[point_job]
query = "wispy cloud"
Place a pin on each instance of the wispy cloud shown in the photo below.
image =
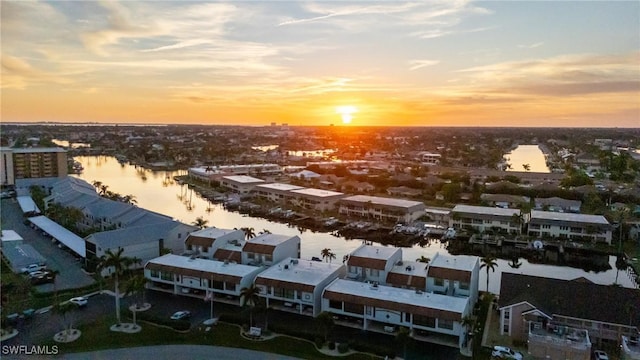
(418, 64)
(531, 46)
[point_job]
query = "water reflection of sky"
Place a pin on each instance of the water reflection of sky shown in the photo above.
(156, 191)
(527, 154)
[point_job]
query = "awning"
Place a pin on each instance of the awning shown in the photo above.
(28, 205)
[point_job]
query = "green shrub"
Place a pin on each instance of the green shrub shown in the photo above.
(332, 345)
(180, 325)
(319, 342)
(343, 348)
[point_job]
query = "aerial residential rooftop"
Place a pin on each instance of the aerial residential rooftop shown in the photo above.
(413, 268)
(398, 295)
(458, 262)
(37, 150)
(384, 201)
(270, 239)
(487, 210)
(307, 272)
(177, 262)
(243, 179)
(317, 192)
(212, 232)
(280, 186)
(375, 252)
(557, 216)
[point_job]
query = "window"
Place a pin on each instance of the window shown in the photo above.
(353, 308)
(166, 276)
(289, 294)
(154, 273)
(464, 285)
(251, 256)
(445, 324)
(335, 304)
(438, 282)
(279, 292)
(507, 314)
(218, 285)
(374, 272)
(268, 258)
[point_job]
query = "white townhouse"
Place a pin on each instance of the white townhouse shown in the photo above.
(206, 242)
(408, 275)
(268, 249)
(296, 285)
(207, 173)
(454, 276)
(429, 158)
(275, 192)
(570, 226)
(382, 308)
(316, 199)
(372, 263)
(241, 184)
(196, 277)
(381, 208)
(484, 218)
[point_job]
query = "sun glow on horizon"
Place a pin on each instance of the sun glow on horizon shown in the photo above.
(346, 113)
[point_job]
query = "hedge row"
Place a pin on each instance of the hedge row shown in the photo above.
(180, 325)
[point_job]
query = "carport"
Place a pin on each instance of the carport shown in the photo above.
(69, 239)
(28, 205)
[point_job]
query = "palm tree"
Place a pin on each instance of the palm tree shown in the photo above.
(489, 263)
(326, 253)
(118, 263)
(423, 259)
(265, 231)
(200, 222)
(103, 189)
(515, 263)
(332, 256)
(621, 264)
(325, 322)
(249, 232)
(526, 167)
(136, 286)
(63, 309)
(402, 337)
(249, 297)
(97, 184)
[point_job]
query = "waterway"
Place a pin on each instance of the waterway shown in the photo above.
(530, 155)
(157, 191)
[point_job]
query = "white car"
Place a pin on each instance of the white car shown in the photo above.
(81, 301)
(31, 268)
(180, 315)
(600, 355)
(503, 352)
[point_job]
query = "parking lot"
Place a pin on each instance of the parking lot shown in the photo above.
(70, 274)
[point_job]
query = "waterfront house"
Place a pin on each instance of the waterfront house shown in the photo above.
(189, 276)
(504, 201)
(296, 285)
(241, 184)
(380, 208)
(557, 204)
(315, 199)
(268, 249)
(454, 276)
(484, 218)
(275, 192)
(570, 226)
(380, 308)
(372, 263)
(606, 312)
(207, 242)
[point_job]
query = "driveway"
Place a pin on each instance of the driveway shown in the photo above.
(69, 266)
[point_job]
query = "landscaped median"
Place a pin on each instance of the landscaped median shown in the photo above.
(97, 336)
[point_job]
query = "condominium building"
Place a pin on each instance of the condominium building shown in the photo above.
(484, 218)
(29, 163)
(381, 208)
(316, 199)
(241, 184)
(275, 192)
(570, 226)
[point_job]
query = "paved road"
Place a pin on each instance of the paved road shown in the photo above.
(69, 266)
(178, 352)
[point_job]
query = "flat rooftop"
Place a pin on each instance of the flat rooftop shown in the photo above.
(399, 295)
(279, 186)
(375, 252)
(38, 150)
(10, 235)
(556, 216)
(205, 265)
(413, 268)
(384, 201)
(270, 239)
(243, 179)
(485, 210)
(306, 272)
(213, 232)
(458, 262)
(317, 192)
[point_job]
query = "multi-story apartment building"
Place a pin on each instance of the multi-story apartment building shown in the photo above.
(275, 192)
(380, 208)
(570, 226)
(484, 218)
(316, 199)
(268, 249)
(241, 184)
(30, 163)
(372, 263)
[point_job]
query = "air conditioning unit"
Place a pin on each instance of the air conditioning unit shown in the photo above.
(294, 261)
(286, 267)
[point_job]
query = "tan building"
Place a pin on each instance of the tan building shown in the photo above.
(30, 163)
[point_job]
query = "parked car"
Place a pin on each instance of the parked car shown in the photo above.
(181, 315)
(32, 267)
(81, 301)
(503, 352)
(600, 355)
(42, 277)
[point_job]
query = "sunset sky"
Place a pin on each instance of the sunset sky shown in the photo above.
(435, 63)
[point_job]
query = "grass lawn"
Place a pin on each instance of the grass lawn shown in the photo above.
(97, 336)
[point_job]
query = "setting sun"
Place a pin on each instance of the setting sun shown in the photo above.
(346, 113)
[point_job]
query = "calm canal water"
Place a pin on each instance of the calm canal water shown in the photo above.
(527, 154)
(156, 191)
